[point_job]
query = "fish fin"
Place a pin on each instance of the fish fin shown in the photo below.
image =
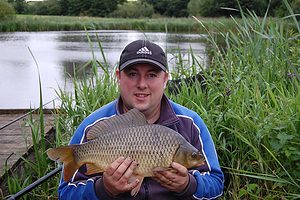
(136, 190)
(131, 118)
(92, 168)
(65, 154)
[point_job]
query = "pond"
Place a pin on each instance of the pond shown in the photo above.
(55, 55)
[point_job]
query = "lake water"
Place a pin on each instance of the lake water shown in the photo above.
(56, 53)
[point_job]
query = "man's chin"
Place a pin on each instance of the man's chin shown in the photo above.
(140, 107)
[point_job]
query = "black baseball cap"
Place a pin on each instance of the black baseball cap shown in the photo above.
(143, 51)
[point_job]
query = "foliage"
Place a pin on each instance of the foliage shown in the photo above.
(7, 12)
(170, 8)
(61, 23)
(89, 7)
(73, 7)
(49, 7)
(135, 9)
(89, 93)
(251, 106)
(215, 8)
(19, 5)
(194, 7)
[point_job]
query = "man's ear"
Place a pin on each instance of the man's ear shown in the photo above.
(166, 80)
(118, 74)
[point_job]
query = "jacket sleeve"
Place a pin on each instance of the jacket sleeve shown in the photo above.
(80, 186)
(210, 182)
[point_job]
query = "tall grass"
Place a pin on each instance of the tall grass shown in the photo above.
(66, 23)
(252, 108)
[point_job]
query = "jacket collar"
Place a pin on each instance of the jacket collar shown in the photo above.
(167, 114)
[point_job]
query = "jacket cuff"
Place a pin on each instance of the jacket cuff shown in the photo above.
(101, 191)
(190, 188)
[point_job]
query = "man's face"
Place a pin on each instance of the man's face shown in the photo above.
(142, 87)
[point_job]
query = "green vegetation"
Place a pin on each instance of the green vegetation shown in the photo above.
(251, 106)
(133, 10)
(167, 8)
(7, 12)
(59, 23)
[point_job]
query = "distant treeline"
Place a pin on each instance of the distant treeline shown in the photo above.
(153, 8)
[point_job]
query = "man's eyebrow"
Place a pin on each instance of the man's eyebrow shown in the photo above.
(130, 69)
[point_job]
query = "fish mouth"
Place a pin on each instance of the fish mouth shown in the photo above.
(201, 163)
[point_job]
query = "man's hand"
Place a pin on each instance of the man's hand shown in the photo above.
(116, 177)
(175, 180)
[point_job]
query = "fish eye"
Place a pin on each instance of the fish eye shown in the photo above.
(194, 155)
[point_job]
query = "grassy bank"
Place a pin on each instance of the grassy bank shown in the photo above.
(65, 23)
(251, 106)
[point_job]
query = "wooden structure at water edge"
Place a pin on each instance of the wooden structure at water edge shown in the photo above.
(16, 138)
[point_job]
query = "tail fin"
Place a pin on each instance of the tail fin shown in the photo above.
(65, 155)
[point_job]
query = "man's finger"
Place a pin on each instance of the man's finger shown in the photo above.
(130, 170)
(114, 166)
(181, 170)
(122, 169)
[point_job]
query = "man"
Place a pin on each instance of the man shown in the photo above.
(142, 77)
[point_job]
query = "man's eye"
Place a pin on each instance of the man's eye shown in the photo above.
(132, 74)
(152, 75)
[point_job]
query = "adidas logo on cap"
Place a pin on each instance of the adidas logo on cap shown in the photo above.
(144, 50)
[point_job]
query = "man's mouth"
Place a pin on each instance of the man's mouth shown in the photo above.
(141, 95)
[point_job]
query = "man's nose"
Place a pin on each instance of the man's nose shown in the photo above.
(142, 82)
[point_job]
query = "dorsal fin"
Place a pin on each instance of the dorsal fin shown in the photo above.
(132, 118)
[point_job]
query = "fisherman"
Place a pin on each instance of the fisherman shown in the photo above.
(142, 77)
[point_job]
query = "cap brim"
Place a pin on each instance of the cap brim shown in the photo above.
(141, 60)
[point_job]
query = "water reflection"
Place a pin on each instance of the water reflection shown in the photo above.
(80, 69)
(59, 54)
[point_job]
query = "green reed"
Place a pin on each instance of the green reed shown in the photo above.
(252, 108)
(65, 23)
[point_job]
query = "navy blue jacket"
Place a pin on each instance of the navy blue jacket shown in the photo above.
(206, 182)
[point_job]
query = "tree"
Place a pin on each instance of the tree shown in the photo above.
(19, 5)
(133, 9)
(102, 8)
(216, 8)
(194, 7)
(171, 8)
(64, 7)
(7, 11)
(202, 7)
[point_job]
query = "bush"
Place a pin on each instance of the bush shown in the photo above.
(49, 7)
(7, 12)
(194, 7)
(202, 8)
(135, 9)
